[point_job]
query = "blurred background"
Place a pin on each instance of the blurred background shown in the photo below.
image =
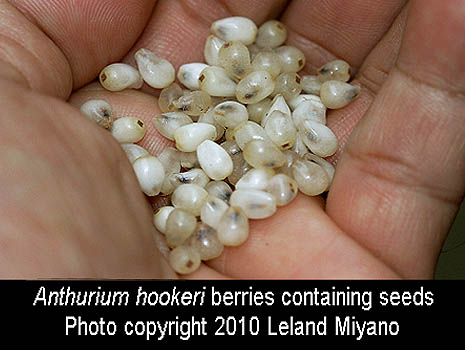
(451, 264)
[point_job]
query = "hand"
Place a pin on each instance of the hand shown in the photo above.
(70, 204)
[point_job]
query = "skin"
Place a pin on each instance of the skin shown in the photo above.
(70, 205)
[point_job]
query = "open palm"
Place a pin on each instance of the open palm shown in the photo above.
(70, 205)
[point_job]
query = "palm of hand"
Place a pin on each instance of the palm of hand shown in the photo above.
(71, 205)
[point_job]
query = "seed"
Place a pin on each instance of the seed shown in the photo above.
(194, 176)
(337, 94)
(240, 166)
(318, 138)
(99, 111)
(255, 179)
(189, 197)
(214, 160)
(190, 136)
(170, 158)
(288, 85)
(120, 76)
(248, 131)
(263, 154)
(156, 71)
(229, 114)
(271, 34)
(161, 217)
(215, 81)
(255, 204)
(128, 129)
(208, 118)
(167, 123)
(277, 104)
(327, 166)
(193, 103)
(205, 241)
(150, 174)
(309, 110)
(300, 148)
(287, 166)
(235, 59)
(255, 87)
(311, 84)
(271, 148)
(188, 74)
(253, 50)
(219, 189)
(296, 101)
(292, 59)
(211, 50)
(134, 152)
(283, 188)
(232, 148)
(334, 70)
(281, 130)
(216, 100)
(180, 225)
(267, 61)
(212, 211)
(311, 179)
(184, 259)
(235, 29)
(233, 229)
(229, 134)
(167, 96)
(189, 160)
(167, 187)
(257, 110)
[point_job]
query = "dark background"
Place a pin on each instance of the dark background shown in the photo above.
(451, 264)
(22, 322)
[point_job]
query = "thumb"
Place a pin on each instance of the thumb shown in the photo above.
(401, 179)
(55, 46)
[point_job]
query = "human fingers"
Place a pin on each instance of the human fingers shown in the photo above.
(401, 178)
(57, 46)
(67, 201)
(299, 241)
(370, 77)
(349, 30)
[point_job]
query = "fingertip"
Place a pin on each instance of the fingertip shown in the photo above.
(90, 33)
